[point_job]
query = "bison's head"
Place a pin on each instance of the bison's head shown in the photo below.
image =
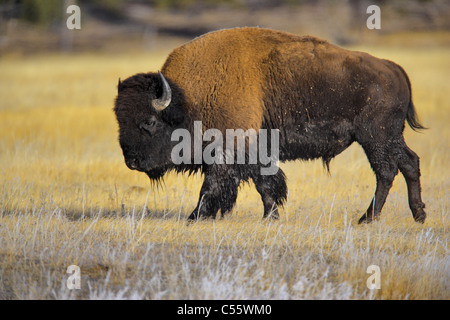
(148, 109)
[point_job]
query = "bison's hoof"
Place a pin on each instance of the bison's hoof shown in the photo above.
(366, 218)
(420, 216)
(195, 216)
(272, 215)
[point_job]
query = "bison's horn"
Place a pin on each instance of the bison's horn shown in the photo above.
(162, 103)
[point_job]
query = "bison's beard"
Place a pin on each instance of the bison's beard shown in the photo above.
(156, 174)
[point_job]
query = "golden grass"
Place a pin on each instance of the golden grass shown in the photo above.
(67, 198)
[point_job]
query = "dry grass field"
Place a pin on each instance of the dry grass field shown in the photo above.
(67, 198)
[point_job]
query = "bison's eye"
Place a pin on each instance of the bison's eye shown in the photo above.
(148, 125)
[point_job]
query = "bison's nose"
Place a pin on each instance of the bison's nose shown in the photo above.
(132, 163)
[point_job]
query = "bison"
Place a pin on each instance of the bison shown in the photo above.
(321, 98)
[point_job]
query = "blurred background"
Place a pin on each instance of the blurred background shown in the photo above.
(30, 26)
(60, 161)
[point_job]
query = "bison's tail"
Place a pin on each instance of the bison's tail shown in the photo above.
(411, 115)
(411, 118)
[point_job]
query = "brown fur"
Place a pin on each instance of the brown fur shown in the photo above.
(223, 83)
(321, 98)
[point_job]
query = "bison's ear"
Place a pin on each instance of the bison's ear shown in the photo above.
(119, 86)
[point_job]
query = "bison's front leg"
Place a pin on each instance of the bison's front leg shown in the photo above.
(219, 191)
(273, 191)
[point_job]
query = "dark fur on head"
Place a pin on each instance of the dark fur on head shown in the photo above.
(144, 133)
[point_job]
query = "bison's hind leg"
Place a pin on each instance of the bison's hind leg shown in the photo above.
(382, 157)
(386, 158)
(273, 191)
(409, 166)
